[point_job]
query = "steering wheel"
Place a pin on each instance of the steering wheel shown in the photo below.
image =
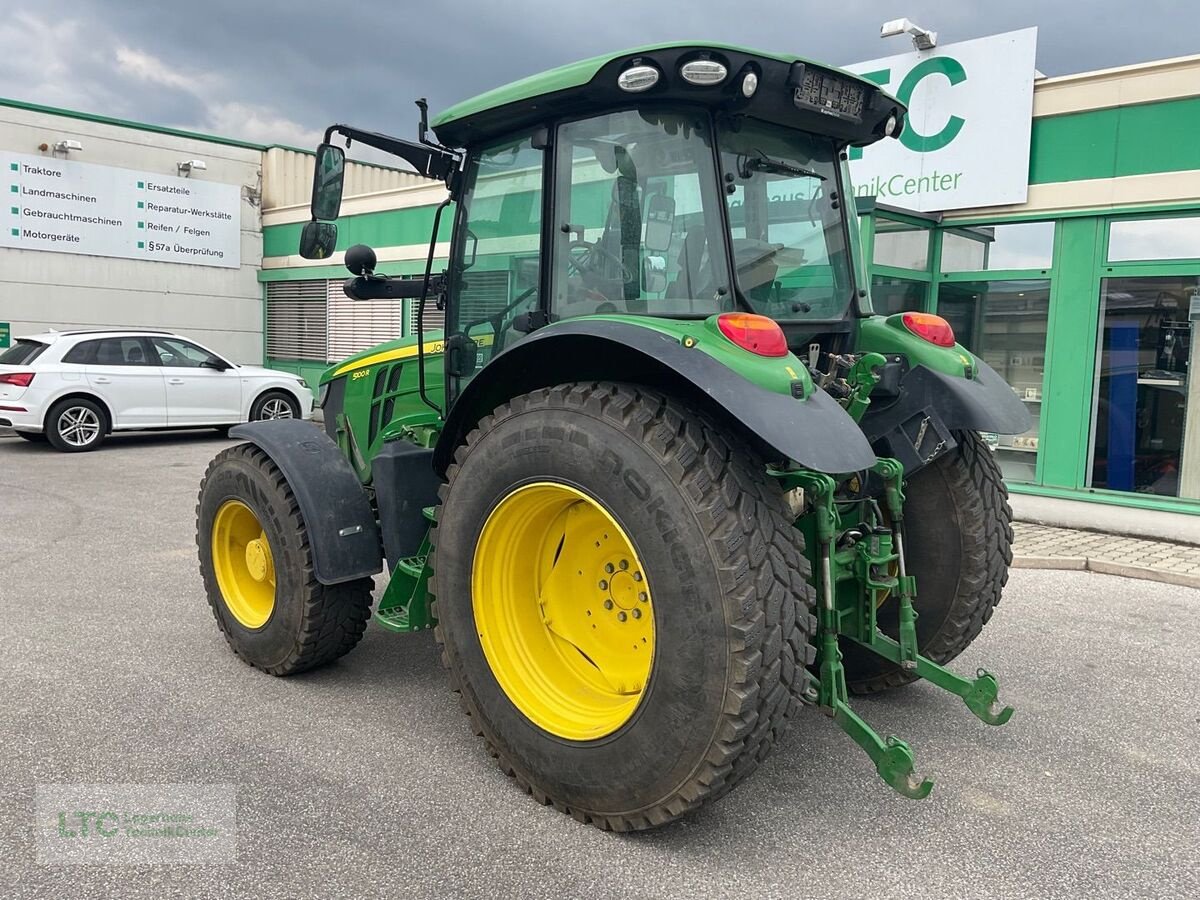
(581, 257)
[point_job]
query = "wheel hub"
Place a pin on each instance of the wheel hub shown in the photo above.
(256, 560)
(563, 610)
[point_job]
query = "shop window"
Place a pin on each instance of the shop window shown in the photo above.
(1131, 240)
(1004, 324)
(1142, 387)
(1025, 245)
(894, 295)
(900, 245)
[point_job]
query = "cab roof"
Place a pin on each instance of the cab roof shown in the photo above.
(590, 85)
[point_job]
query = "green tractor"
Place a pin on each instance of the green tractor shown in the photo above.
(664, 479)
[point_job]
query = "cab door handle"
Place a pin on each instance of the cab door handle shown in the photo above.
(103, 379)
(174, 381)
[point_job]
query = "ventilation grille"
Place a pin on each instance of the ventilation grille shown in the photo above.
(355, 325)
(297, 325)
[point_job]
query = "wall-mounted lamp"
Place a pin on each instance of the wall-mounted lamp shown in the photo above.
(922, 38)
(188, 166)
(61, 146)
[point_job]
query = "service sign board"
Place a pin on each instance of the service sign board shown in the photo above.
(966, 142)
(75, 207)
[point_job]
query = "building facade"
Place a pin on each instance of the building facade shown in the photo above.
(1084, 297)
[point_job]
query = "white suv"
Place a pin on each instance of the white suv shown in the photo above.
(74, 387)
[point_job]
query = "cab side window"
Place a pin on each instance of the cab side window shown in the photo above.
(498, 261)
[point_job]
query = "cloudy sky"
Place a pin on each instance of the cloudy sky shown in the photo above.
(278, 72)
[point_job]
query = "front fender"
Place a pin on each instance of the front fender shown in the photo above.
(815, 432)
(931, 404)
(342, 531)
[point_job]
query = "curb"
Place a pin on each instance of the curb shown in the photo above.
(1106, 567)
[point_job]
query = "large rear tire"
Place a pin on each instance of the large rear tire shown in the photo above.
(623, 604)
(257, 567)
(958, 542)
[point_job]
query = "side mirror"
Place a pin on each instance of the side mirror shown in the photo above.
(360, 259)
(318, 240)
(654, 274)
(328, 173)
(660, 223)
(217, 363)
(462, 355)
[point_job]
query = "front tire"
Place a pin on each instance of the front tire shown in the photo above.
(256, 563)
(274, 405)
(958, 541)
(567, 511)
(76, 425)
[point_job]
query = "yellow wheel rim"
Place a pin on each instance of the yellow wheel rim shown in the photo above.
(244, 565)
(563, 610)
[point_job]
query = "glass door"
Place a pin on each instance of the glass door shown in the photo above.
(1143, 386)
(1004, 323)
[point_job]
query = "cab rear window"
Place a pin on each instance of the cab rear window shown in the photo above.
(22, 353)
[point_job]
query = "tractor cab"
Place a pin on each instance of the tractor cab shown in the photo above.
(675, 182)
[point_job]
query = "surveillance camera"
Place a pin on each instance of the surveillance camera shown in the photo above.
(192, 165)
(64, 146)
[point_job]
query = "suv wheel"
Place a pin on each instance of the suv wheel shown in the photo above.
(274, 405)
(76, 424)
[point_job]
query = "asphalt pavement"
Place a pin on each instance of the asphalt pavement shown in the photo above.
(363, 779)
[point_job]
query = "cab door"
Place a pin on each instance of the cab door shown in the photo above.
(496, 271)
(202, 388)
(119, 370)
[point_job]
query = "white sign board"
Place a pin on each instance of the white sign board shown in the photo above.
(966, 141)
(74, 207)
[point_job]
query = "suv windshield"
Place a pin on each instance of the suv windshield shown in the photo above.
(788, 238)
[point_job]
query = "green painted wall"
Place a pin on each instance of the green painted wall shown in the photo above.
(1108, 143)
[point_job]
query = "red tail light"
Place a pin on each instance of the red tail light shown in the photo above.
(758, 334)
(20, 379)
(929, 327)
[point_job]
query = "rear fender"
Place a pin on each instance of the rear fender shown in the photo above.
(342, 532)
(814, 432)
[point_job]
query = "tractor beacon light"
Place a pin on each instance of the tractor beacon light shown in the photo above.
(929, 327)
(758, 334)
(20, 379)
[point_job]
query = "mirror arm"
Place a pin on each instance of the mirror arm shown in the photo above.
(430, 161)
(381, 287)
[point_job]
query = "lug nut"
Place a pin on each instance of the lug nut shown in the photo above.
(621, 617)
(608, 567)
(637, 613)
(608, 604)
(637, 576)
(624, 564)
(644, 597)
(603, 585)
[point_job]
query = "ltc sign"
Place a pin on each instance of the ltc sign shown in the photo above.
(966, 141)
